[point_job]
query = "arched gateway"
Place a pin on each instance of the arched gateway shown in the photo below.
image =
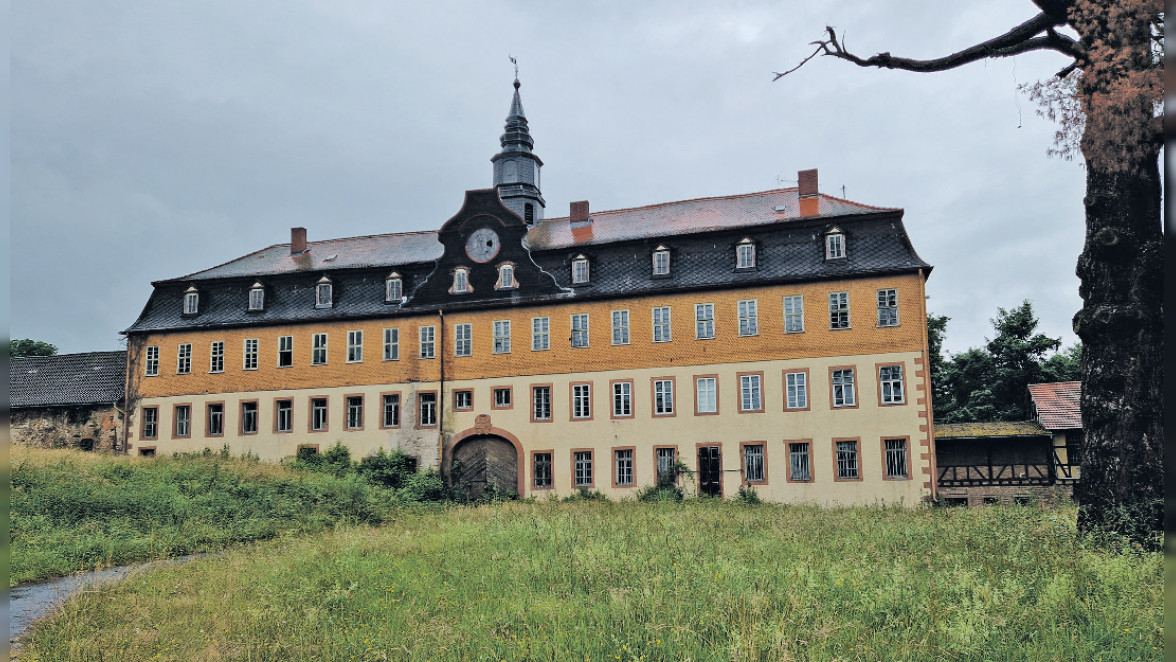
(484, 456)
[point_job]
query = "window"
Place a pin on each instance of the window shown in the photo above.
(318, 354)
(257, 297)
(663, 397)
(750, 397)
(753, 463)
(706, 395)
(834, 245)
(839, 310)
(541, 403)
(393, 288)
(184, 359)
(462, 339)
(323, 293)
(502, 337)
(794, 314)
(427, 335)
(896, 458)
(888, 307)
(529, 213)
(661, 324)
(461, 281)
(890, 384)
(355, 346)
(463, 400)
(704, 320)
(796, 390)
(666, 458)
(191, 301)
(748, 318)
(355, 412)
(581, 401)
(428, 409)
(151, 361)
(580, 330)
(847, 460)
(285, 351)
(284, 416)
(540, 334)
(150, 422)
(583, 468)
(183, 421)
(799, 466)
(745, 254)
(216, 356)
(542, 470)
(623, 466)
(318, 414)
(506, 278)
(579, 270)
(622, 399)
(248, 418)
(661, 261)
(391, 344)
(843, 393)
(249, 354)
(620, 327)
(216, 419)
(391, 410)
(502, 398)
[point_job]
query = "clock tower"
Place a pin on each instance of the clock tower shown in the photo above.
(516, 168)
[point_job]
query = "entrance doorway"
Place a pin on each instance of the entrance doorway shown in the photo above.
(710, 473)
(484, 461)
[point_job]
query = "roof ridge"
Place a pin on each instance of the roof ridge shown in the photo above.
(678, 202)
(61, 356)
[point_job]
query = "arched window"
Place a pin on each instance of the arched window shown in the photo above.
(579, 269)
(745, 254)
(393, 288)
(257, 297)
(323, 293)
(461, 281)
(191, 301)
(661, 261)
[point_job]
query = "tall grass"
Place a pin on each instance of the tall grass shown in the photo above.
(591, 580)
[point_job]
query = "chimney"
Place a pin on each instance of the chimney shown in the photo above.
(297, 241)
(808, 182)
(579, 213)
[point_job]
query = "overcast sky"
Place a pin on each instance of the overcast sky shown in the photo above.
(155, 138)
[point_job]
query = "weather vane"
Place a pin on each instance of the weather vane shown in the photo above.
(515, 63)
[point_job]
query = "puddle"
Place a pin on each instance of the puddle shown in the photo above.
(28, 602)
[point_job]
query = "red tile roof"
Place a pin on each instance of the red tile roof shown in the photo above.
(1057, 404)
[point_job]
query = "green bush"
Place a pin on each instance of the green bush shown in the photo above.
(748, 496)
(585, 494)
(424, 486)
(660, 492)
(387, 469)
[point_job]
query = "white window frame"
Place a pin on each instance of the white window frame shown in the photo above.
(249, 417)
(622, 397)
(354, 412)
(215, 423)
(754, 463)
(848, 461)
(745, 254)
(355, 346)
(660, 316)
(704, 321)
(427, 409)
(502, 336)
(540, 334)
(580, 270)
(324, 293)
(216, 356)
(583, 468)
(541, 403)
(581, 401)
(623, 466)
(191, 301)
(150, 422)
(890, 384)
(580, 336)
(183, 415)
(888, 307)
(796, 390)
(541, 470)
(751, 393)
(839, 310)
(463, 400)
(319, 415)
(390, 405)
(800, 461)
(794, 313)
(286, 347)
(284, 416)
(427, 342)
(663, 397)
(249, 353)
(393, 288)
(318, 349)
(661, 261)
(463, 339)
(257, 297)
(151, 361)
(184, 359)
(506, 277)
(461, 281)
(704, 396)
(834, 245)
(844, 392)
(620, 327)
(896, 458)
(748, 318)
(392, 344)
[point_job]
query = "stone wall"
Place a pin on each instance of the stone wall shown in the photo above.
(980, 495)
(89, 428)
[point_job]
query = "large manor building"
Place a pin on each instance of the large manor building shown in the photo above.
(775, 340)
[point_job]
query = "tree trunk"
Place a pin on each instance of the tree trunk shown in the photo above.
(1121, 326)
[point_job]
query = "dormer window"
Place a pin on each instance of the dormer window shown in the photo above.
(745, 254)
(393, 288)
(834, 244)
(323, 294)
(661, 261)
(257, 297)
(579, 270)
(461, 281)
(506, 278)
(191, 301)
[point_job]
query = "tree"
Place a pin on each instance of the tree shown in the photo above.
(1110, 94)
(27, 347)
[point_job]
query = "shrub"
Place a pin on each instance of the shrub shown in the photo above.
(748, 496)
(388, 469)
(424, 486)
(585, 494)
(660, 493)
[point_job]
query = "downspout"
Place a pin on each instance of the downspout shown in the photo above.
(441, 397)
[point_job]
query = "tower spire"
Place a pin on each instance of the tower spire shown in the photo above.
(516, 167)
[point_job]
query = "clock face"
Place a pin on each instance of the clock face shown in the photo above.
(482, 245)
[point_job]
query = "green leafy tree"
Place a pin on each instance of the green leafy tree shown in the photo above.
(27, 347)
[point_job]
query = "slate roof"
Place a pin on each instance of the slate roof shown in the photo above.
(989, 430)
(67, 379)
(1057, 404)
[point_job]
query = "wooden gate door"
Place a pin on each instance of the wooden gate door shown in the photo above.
(479, 462)
(710, 474)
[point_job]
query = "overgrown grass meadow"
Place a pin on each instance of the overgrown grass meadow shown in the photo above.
(592, 580)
